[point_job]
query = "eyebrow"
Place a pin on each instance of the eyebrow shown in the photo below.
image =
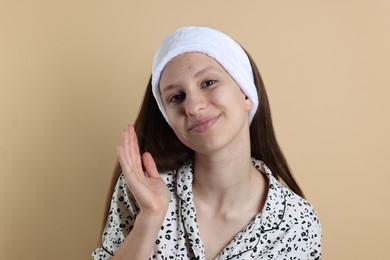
(169, 87)
(199, 73)
(202, 71)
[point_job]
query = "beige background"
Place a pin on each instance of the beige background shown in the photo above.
(72, 75)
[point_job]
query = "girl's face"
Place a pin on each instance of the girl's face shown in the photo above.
(205, 107)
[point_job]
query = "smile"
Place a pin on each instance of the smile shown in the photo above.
(204, 124)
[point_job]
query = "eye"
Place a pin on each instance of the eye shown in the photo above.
(176, 98)
(208, 83)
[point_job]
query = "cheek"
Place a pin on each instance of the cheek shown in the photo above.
(176, 123)
(180, 134)
(235, 98)
(171, 114)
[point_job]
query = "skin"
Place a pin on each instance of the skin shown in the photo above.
(209, 113)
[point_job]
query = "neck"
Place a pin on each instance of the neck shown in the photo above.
(221, 173)
(223, 189)
(226, 179)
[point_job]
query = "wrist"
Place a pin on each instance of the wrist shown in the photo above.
(148, 219)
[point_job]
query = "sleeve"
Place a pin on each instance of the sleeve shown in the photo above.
(308, 232)
(315, 244)
(304, 230)
(120, 221)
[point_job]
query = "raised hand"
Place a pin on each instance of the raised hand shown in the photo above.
(149, 189)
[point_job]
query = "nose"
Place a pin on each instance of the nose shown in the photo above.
(194, 104)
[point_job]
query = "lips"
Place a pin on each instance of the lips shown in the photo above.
(203, 124)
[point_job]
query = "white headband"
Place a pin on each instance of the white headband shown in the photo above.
(214, 44)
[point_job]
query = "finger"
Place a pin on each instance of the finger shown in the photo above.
(125, 146)
(122, 159)
(135, 157)
(150, 165)
(124, 155)
(131, 176)
(133, 144)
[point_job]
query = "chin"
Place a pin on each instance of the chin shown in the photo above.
(207, 147)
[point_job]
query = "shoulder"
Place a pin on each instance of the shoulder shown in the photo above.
(302, 225)
(296, 211)
(291, 207)
(291, 219)
(299, 210)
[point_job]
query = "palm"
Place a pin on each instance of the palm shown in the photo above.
(151, 193)
(149, 190)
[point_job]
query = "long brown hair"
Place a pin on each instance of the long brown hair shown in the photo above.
(157, 137)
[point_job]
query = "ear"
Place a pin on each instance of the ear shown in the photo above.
(248, 104)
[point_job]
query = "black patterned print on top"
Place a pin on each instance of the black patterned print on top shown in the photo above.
(287, 227)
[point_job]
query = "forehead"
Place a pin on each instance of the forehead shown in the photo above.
(189, 62)
(191, 58)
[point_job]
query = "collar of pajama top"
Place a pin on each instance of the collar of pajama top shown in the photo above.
(247, 239)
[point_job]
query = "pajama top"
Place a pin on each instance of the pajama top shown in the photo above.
(286, 228)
